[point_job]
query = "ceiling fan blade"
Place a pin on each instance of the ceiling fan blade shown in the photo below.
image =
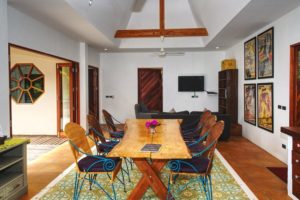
(175, 53)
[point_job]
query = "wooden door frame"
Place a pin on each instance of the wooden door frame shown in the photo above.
(74, 63)
(58, 93)
(162, 88)
(293, 80)
(98, 97)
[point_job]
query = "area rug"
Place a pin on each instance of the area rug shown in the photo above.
(280, 172)
(36, 151)
(226, 185)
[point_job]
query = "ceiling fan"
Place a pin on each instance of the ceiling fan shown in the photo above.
(163, 53)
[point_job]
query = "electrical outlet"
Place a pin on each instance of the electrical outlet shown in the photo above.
(279, 107)
(283, 146)
(283, 107)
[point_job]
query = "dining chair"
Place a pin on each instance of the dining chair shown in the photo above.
(103, 145)
(209, 121)
(194, 131)
(88, 166)
(199, 167)
(111, 127)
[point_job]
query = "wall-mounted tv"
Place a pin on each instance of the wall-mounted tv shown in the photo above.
(190, 83)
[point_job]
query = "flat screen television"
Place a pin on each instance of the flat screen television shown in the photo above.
(190, 83)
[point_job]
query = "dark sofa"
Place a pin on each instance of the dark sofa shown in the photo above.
(190, 120)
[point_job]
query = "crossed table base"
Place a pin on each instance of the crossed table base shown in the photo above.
(150, 178)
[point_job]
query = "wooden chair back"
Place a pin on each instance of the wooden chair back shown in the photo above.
(109, 120)
(204, 116)
(207, 124)
(94, 124)
(212, 140)
(76, 136)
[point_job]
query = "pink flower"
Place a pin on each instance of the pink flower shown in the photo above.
(148, 124)
(152, 124)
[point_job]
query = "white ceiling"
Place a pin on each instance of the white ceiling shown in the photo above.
(227, 21)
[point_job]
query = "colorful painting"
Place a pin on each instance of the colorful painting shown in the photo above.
(250, 59)
(265, 106)
(250, 103)
(266, 54)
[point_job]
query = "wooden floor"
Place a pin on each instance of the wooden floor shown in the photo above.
(248, 160)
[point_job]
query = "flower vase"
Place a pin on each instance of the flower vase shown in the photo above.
(152, 130)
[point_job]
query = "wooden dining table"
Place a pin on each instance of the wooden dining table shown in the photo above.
(150, 164)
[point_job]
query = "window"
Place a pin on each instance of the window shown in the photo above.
(26, 83)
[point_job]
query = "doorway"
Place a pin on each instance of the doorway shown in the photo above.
(41, 70)
(295, 85)
(67, 95)
(150, 88)
(93, 91)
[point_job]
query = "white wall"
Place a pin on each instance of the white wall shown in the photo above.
(93, 57)
(286, 33)
(4, 86)
(28, 32)
(39, 123)
(120, 80)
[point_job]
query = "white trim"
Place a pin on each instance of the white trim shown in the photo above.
(237, 178)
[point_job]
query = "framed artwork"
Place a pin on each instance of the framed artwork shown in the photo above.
(265, 115)
(265, 44)
(250, 103)
(250, 59)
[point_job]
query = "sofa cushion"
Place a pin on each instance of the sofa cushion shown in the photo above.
(143, 107)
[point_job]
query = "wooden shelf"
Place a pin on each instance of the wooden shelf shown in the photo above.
(9, 161)
(228, 93)
(8, 177)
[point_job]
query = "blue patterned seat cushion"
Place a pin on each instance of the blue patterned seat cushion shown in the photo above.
(108, 146)
(199, 164)
(85, 163)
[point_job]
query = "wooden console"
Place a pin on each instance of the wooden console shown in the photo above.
(13, 169)
(294, 160)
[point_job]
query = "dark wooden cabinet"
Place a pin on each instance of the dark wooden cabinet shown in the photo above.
(228, 93)
(294, 164)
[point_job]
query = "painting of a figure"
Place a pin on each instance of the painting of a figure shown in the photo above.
(250, 59)
(265, 106)
(250, 103)
(266, 54)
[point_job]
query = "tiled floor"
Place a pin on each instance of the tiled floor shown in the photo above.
(247, 159)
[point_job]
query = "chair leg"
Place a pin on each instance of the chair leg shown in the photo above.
(123, 179)
(210, 187)
(78, 186)
(127, 170)
(169, 186)
(113, 188)
(75, 186)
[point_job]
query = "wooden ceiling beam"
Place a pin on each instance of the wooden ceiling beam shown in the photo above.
(137, 33)
(184, 32)
(179, 32)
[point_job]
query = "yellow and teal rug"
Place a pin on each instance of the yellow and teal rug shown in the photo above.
(226, 185)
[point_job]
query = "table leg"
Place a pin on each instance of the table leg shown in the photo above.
(150, 178)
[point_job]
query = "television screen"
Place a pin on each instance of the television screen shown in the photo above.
(190, 83)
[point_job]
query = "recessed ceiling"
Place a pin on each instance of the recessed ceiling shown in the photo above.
(227, 21)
